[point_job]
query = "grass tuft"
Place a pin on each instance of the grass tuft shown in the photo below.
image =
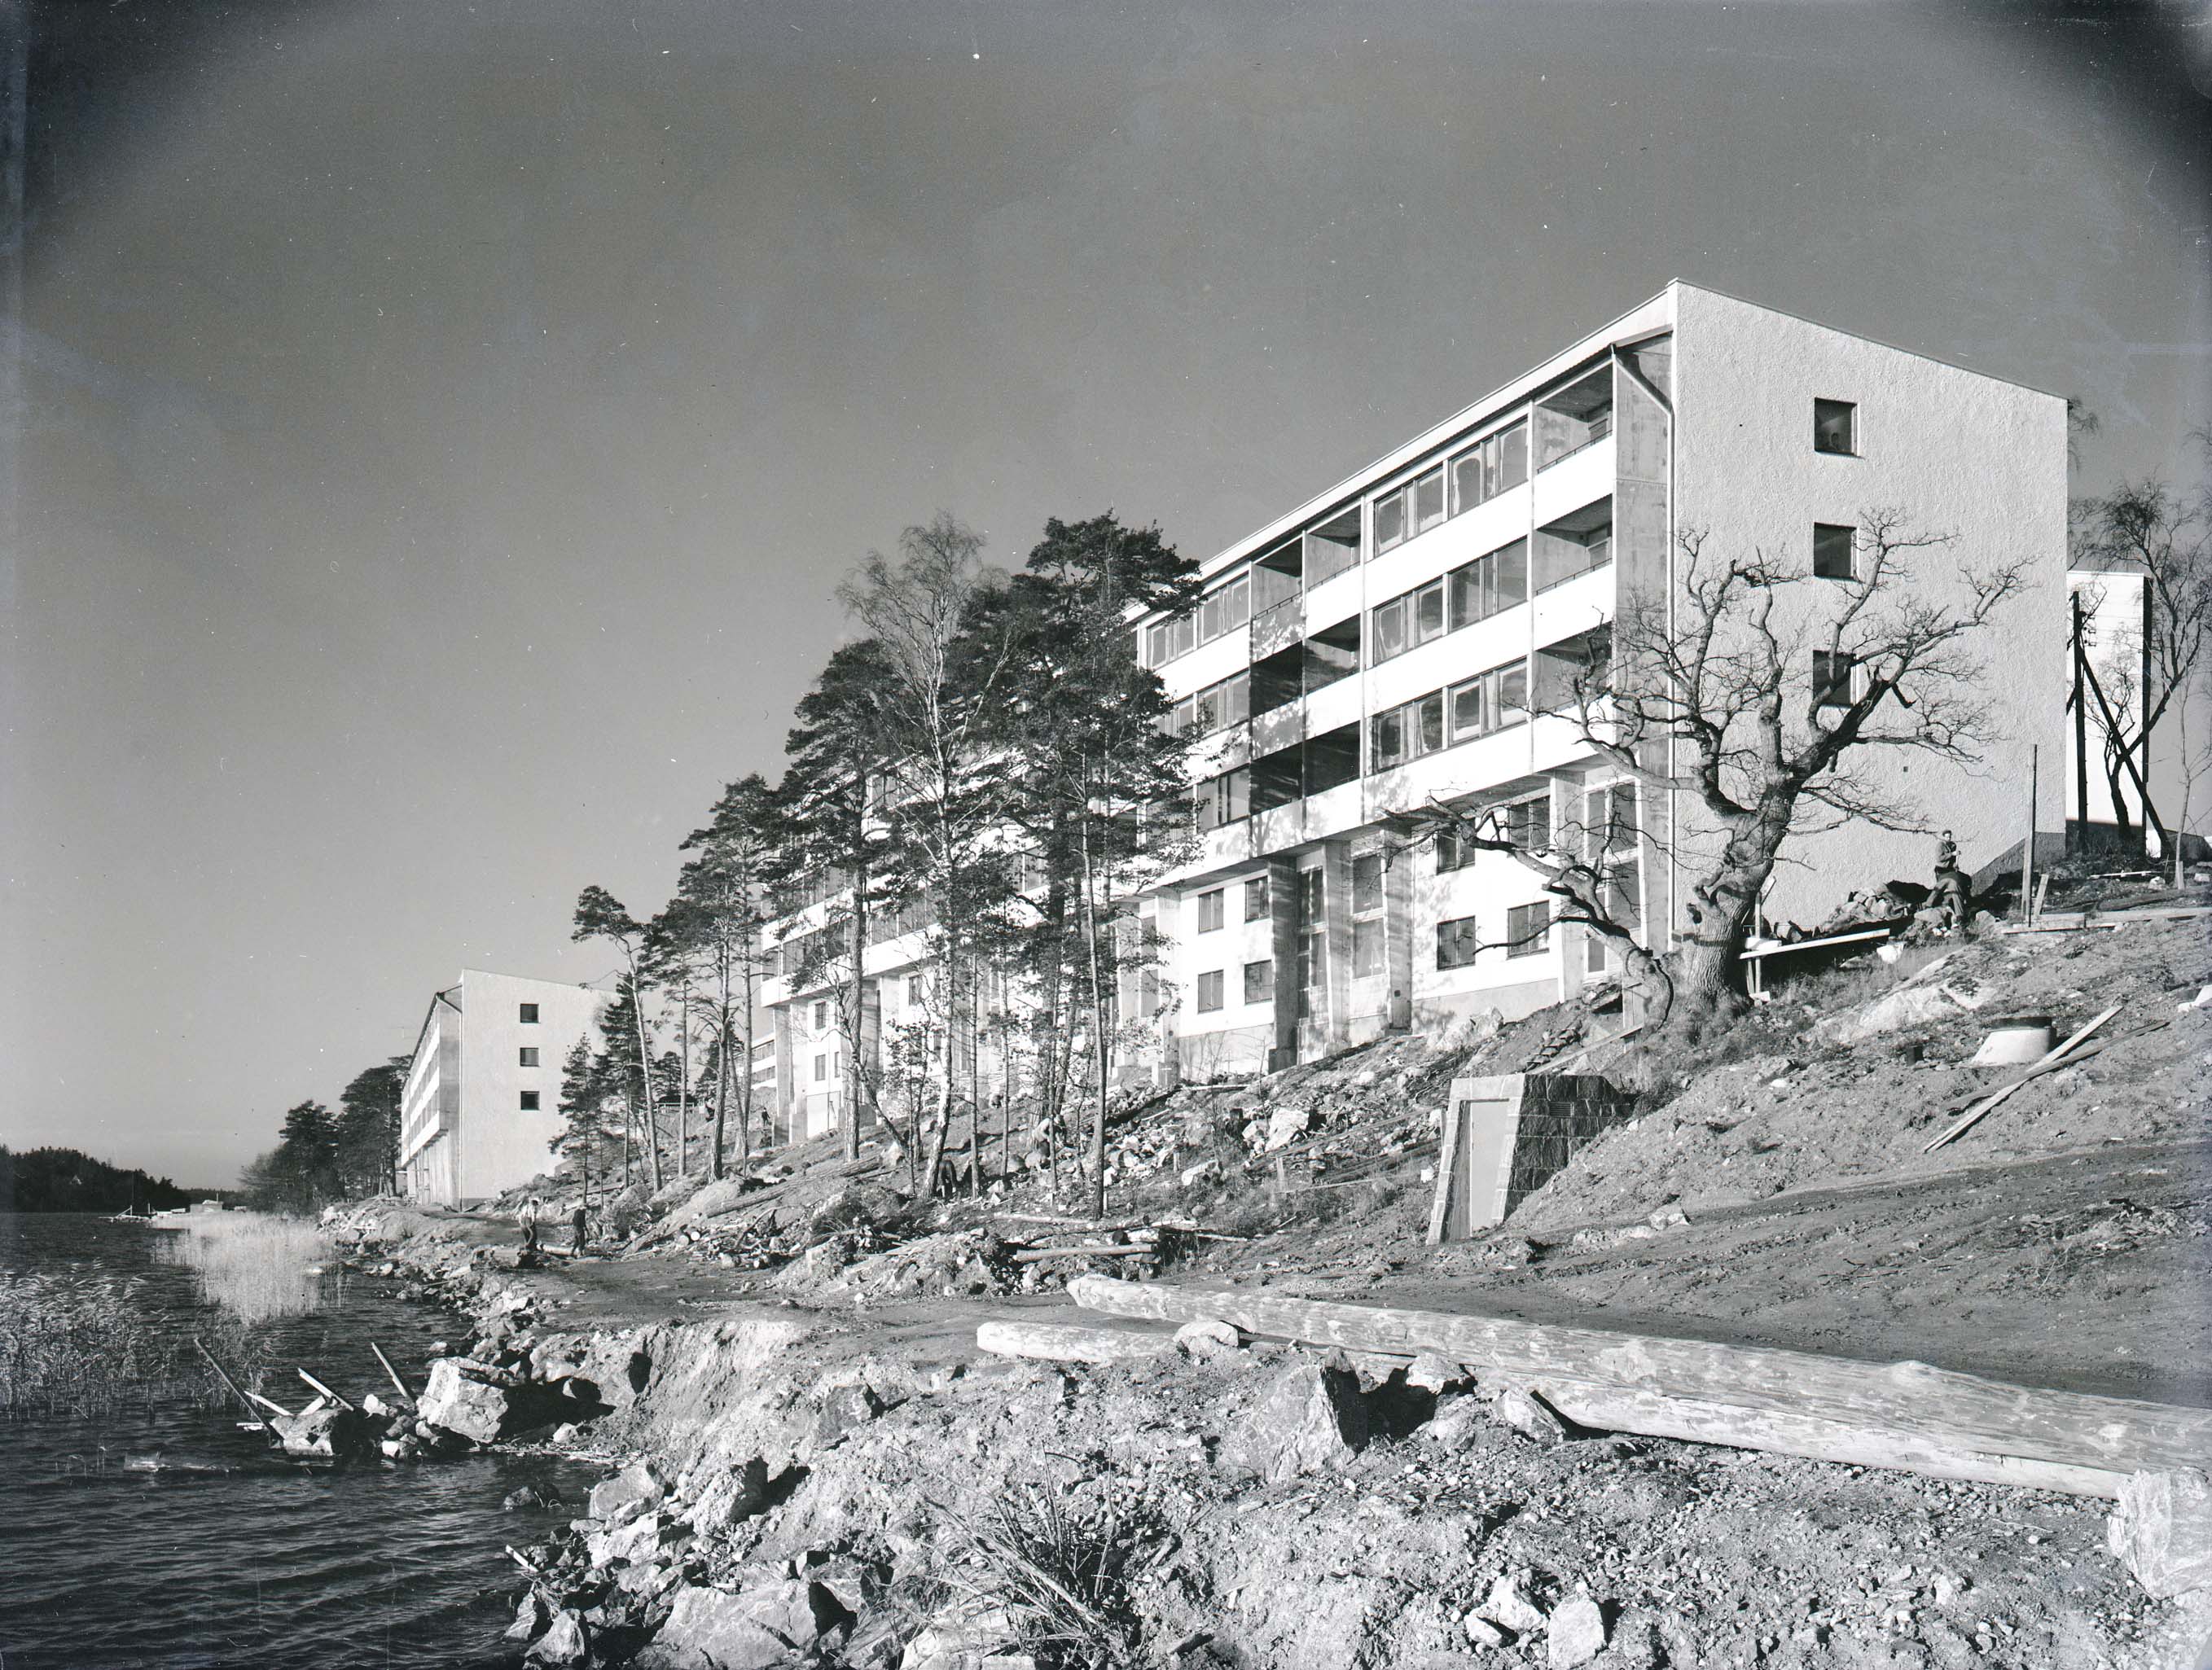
(255, 1266)
(1063, 1574)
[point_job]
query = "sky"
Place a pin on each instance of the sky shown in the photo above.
(439, 427)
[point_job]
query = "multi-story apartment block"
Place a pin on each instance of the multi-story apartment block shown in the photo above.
(1408, 637)
(482, 1103)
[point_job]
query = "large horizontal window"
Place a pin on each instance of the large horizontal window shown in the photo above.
(1526, 824)
(1473, 592)
(1483, 587)
(1405, 733)
(1409, 508)
(1492, 464)
(1225, 800)
(1222, 610)
(1496, 699)
(1214, 708)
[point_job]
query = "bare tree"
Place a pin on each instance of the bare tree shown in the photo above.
(2161, 662)
(1761, 697)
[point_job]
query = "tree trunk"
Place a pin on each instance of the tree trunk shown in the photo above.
(855, 999)
(684, 1088)
(644, 1071)
(1097, 1031)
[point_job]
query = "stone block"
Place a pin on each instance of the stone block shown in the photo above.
(1309, 1419)
(770, 1625)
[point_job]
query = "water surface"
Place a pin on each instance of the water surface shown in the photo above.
(226, 1555)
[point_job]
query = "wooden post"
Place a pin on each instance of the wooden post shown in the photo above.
(1054, 1342)
(394, 1372)
(236, 1391)
(324, 1390)
(1451, 1188)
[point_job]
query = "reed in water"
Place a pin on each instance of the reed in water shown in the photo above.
(257, 1266)
(81, 1344)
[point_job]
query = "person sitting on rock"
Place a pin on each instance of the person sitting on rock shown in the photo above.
(527, 1218)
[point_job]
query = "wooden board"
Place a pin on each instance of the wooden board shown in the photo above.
(1063, 1342)
(2119, 1435)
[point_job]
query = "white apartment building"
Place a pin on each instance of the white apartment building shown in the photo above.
(482, 1103)
(1394, 642)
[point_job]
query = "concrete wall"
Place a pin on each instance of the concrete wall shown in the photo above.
(1508, 1134)
(501, 1144)
(1956, 452)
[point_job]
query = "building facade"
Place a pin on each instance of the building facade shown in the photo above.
(1395, 643)
(482, 1103)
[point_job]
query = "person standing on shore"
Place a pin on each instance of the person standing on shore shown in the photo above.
(528, 1218)
(577, 1223)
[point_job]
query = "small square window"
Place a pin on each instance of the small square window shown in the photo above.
(1528, 930)
(530, 1102)
(1831, 679)
(529, 1016)
(1255, 899)
(1209, 992)
(1212, 910)
(1832, 549)
(1835, 427)
(1260, 982)
(1457, 943)
(529, 1056)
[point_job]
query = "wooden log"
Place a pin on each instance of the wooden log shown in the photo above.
(2120, 1435)
(1616, 1409)
(1039, 1254)
(271, 1405)
(1063, 1342)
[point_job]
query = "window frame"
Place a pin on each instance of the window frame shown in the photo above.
(1213, 910)
(1257, 905)
(1266, 983)
(527, 1055)
(1220, 977)
(1826, 534)
(1829, 691)
(526, 1014)
(1450, 944)
(1520, 939)
(1850, 408)
(533, 1102)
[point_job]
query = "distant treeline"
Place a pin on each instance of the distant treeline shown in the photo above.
(62, 1180)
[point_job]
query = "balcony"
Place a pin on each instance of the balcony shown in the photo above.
(1576, 416)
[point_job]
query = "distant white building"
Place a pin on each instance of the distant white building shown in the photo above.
(481, 1105)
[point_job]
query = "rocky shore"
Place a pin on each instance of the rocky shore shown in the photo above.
(792, 1486)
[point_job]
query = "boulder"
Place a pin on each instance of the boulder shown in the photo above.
(1208, 1338)
(2161, 1530)
(772, 1623)
(732, 1494)
(565, 1642)
(1528, 1415)
(1576, 1633)
(329, 1433)
(1431, 1373)
(459, 1400)
(1309, 1418)
(843, 1409)
(1507, 1604)
(636, 1483)
(1286, 1124)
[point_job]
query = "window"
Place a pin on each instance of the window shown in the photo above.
(914, 991)
(528, 1015)
(1489, 467)
(1225, 800)
(529, 1058)
(1313, 938)
(1453, 853)
(821, 1068)
(1211, 910)
(1832, 551)
(1255, 899)
(1529, 929)
(1429, 499)
(1527, 823)
(530, 1102)
(1209, 992)
(1457, 943)
(1497, 700)
(1391, 521)
(1367, 903)
(1414, 619)
(1835, 427)
(1831, 679)
(821, 1016)
(1407, 733)
(1481, 588)
(1225, 609)
(1366, 884)
(1260, 982)
(1170, 639)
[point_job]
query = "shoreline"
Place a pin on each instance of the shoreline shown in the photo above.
(807, 1485)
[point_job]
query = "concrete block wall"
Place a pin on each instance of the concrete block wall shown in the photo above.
(1507, 1134)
